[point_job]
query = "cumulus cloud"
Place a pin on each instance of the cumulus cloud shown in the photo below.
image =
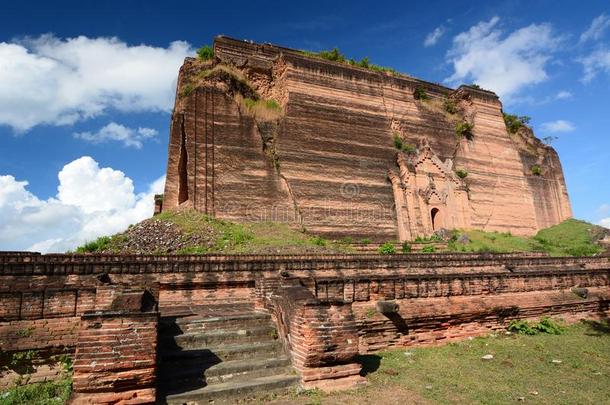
(605, 222)
(117, 132)
(433, 37)
(597, 62)
(558, 126)
(48, 80)
(91, 202)
(499, 62)
(596, 30)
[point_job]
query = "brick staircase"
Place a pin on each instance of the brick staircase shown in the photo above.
(220, 353)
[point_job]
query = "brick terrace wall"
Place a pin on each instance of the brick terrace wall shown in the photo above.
(116, 358)
(322, 338)
(48, 293)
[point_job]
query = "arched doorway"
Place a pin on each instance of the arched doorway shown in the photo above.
(436, 218)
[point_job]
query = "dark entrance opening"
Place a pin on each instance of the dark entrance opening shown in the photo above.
(183, 191)
(435, 218)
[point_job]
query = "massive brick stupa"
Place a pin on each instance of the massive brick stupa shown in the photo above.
(261, 132)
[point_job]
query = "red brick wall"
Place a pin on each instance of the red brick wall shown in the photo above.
(116, 357)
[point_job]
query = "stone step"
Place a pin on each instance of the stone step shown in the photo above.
(229, 322)
(232, 390)
(224, 353)
(202, 340)
(179, 377)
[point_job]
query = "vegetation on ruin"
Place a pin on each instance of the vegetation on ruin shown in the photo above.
(387, 248)
(515, 122)
(46, 393)
(261, 109)
(464, 130)
(206, 52)
(450, 106)
(569, 238)
(571, 368)
(461, 173)
(420, 94)
(428, 249)
(545, 325)
(187, 89)
(335, 55)
(406, 247)
(191, 232)
(536, 170)
(402, 145)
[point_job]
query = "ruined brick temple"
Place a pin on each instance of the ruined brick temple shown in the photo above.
(326, 157)
(267, 133)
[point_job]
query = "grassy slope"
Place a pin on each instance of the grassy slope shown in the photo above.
(225, 237)
(571, 237)
(455, 373)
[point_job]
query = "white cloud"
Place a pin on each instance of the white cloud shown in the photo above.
(117, 132)
(563, 95)
(433, 37)
(502, 63)
(91, 202)
(55, 81)
(596, 30)
(605, 222)
(597, 62)
(557, 126)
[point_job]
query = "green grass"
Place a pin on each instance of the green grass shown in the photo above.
(522, 367)
(569, 238)
(228, 237)
(47, 393)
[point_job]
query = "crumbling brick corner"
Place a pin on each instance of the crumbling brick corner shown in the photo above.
(116, 352)
(321, 337)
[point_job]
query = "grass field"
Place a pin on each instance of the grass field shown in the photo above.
(572, 368)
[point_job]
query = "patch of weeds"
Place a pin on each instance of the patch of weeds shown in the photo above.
(318, 241)
(47, 393)
(23, 333)
(461, 173)
(370, 313)
(365, 240)
(536, 170)
(402, 146)
(464, 130)
(450, 106)
(406, 248)
(420, 94)
(387, 248)
(428, 249)
(97, 245)
(206, 52)
(187, 89)
(545, 325)
(514, 122)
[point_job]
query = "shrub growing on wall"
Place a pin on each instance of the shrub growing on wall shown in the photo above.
(206, 52)
(536, 170)
(461, 173)
(463, 129)
(420, 94)
(387, 249)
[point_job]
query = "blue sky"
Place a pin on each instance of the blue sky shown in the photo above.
(86, 89)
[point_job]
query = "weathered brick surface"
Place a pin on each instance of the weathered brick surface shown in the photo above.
(322, 338)
(116, 356)
(333, 316)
